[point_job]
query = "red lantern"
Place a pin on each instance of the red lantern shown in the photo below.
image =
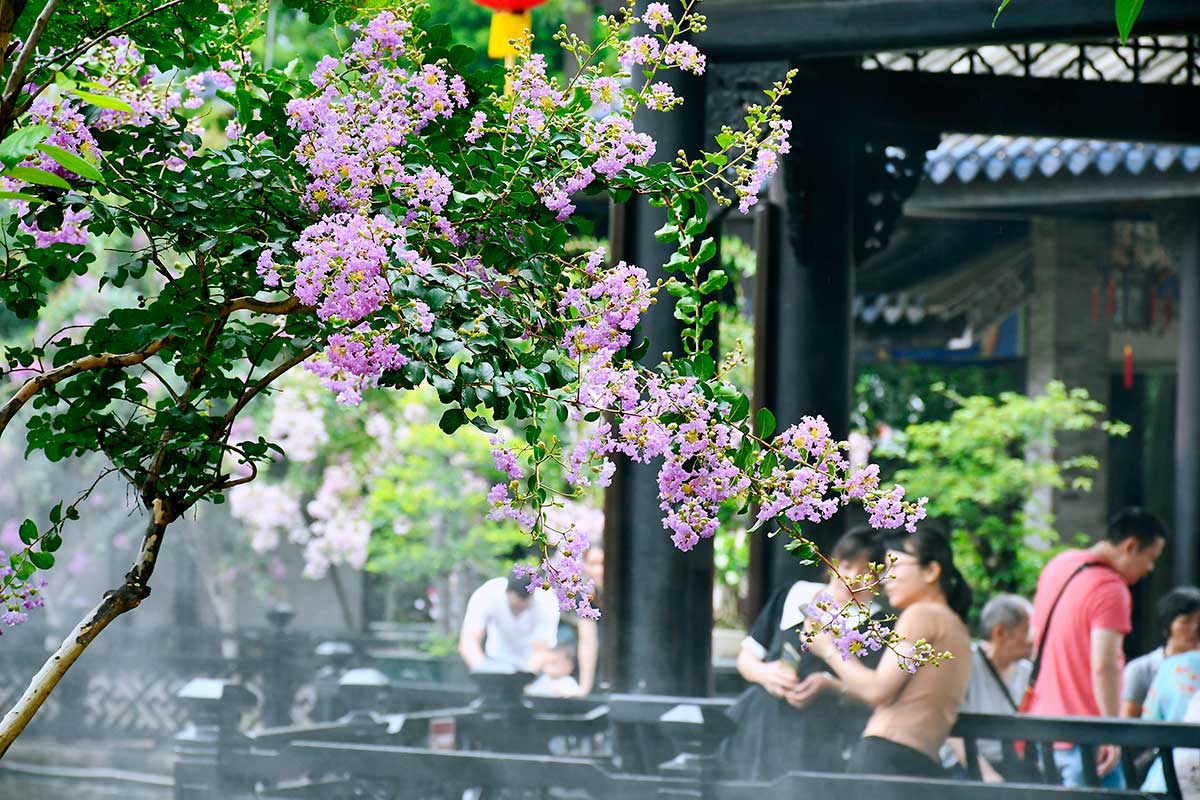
(511, 6)
(510, 20)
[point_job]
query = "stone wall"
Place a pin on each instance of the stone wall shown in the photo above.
(1066, 344)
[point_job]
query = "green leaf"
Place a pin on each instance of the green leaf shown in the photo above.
(639, 350)
(677, 288)
(25, 569)
(766, 423)
(1003, 5)
(51, 542)
(714, 282)
(41, 560)
(28, 531)
(667, 233)
(21, 143)
(1127, 14)
(28, 198)
(35, 175)
(740, 409)
(703, 366)
(708, 249)
(72, 162)
(103, 101)
(452, 420)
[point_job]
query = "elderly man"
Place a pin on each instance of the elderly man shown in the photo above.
(999, 673)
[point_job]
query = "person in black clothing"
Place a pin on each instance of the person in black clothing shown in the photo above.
(794, 716)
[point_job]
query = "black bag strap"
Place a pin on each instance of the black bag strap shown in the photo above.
(1041, 648)
(996, 675)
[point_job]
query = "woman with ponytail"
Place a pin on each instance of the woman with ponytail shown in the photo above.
(914, 711)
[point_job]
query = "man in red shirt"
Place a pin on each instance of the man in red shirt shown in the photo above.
(1081, 659)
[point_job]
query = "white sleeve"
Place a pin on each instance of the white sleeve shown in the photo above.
(753, 646)
(479, 608)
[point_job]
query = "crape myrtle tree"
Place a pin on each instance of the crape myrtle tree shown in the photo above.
(395, 218)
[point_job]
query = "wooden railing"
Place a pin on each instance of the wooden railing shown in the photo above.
(508, 748)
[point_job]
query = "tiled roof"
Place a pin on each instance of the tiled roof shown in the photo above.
(964, 158)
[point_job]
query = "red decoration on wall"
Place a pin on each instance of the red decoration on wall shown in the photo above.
(511, 6)
(1128, 372)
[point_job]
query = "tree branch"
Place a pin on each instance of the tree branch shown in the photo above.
(125, 597)
(266, 381)
(16, 78)
(10, 11)
(47, 379)
(290, 306)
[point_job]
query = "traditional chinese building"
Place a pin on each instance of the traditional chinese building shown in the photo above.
(1026, 191)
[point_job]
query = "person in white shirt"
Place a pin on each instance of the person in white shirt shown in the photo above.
(507, 626)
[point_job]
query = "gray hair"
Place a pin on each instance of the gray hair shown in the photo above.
(1007, 610)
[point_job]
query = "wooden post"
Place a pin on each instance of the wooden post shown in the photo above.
(1186, 547)
(803, 324)
(214, 707)
(657, 604)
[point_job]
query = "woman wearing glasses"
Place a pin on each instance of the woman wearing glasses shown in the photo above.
(913, 711)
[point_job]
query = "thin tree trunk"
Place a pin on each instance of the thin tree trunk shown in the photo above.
(125, 597)
(339, 589)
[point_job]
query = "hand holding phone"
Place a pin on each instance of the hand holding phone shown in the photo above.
(791, 658)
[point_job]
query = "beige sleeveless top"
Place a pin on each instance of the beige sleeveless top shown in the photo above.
(922, 713)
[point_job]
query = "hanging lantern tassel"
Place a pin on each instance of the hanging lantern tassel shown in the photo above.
(506, 26)
(1128, 371)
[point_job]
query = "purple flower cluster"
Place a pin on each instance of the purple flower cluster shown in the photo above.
(766, 163)
(354, 361)
(535, 96)
(505, 502)
(853, 632)
(344, 260)
(355, 129)
(890, 511)
(506, 460)
(639, 51)
(606, 312)
(684, 55)
(820, 480)
(18, 597)
(611, 146)
(657, 14)
(116, 69)
(565, 574)
(606, 94)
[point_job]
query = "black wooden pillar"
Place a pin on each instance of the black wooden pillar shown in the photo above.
(657, 604)
(1186, 546)
(803, 306)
